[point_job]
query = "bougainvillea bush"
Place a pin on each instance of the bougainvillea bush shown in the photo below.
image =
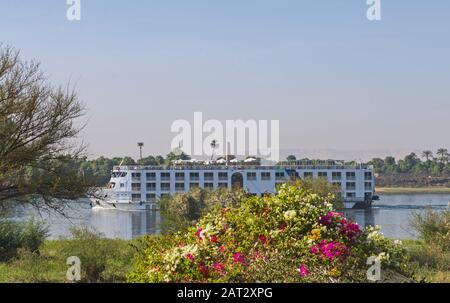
(294, 236)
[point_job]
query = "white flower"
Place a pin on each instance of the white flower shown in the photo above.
(383, 257)
(398, 242)
(373, 235)
(289, 214)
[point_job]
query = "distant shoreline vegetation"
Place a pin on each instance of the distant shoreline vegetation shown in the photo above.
(430, 174)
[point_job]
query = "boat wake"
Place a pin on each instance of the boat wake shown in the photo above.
(412, 207)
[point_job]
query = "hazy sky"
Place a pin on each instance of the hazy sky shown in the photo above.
(336, 81)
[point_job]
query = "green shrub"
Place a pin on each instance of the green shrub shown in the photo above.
(291, 237)
(33, 267)
(429, 263)
(16, 235)
(102, 259)
(184, 209)
(433, 227)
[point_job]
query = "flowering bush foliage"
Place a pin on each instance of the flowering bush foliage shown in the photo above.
(294, 236)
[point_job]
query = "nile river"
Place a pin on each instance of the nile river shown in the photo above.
(392, 213)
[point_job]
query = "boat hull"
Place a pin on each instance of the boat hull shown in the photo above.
(124, 206)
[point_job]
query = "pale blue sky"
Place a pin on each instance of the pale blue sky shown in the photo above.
(332, 78)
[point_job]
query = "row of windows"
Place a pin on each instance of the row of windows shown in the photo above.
(166, 186)
(180, 186)
(250, 175)
(151, 197)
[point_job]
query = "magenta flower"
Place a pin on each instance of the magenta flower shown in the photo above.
(303, 270)
(330, 217)
(262, 239)
(203, 269)
(330, 250)
(350, 230)
(219, 267)
(238, 258)
(190, 256)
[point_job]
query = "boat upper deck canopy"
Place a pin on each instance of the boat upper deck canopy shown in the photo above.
(242, 167)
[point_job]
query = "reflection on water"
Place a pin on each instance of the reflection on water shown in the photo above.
(125, 224)
(111, 223)
(392, 213)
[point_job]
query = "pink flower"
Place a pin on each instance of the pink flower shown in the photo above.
(350, 230)
(259, 256)
(303, 270)
(214, 239)
(346, 227)
(222, 249)
(198, 233)
(203, 269)
(238, 258)
(262, 239)
(330, 217)
(219, 267)
(330, 250)
(190, 256)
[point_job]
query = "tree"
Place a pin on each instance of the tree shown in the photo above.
(411, 161)
(38, 125)
(159, 159)
(150, 160)
(389, 161)
(127, 161)
(291, 158)
(427, 154)
(176, 156)
(443, 154)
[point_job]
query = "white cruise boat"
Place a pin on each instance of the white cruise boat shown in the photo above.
(141, 187)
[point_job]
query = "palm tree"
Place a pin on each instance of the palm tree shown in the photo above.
(214, 144)
(427, 154)
(443, 154)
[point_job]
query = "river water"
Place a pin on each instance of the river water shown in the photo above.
(392, 213)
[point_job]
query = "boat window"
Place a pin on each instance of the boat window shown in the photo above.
(118, 174)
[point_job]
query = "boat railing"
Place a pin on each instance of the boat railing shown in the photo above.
(240, 167)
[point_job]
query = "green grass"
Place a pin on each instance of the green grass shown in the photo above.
(429, 263)
(413, 190)
(49, 264)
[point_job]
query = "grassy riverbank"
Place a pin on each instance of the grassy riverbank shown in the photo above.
(428, 263)
(412, 190)
(50, 264)
(103, 260)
